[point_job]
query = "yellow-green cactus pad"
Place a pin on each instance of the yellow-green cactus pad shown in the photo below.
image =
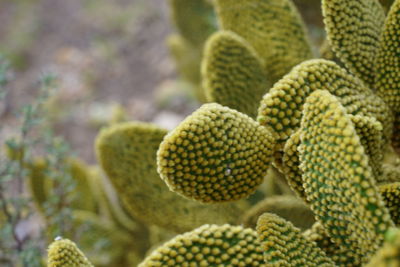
(216, 154)
(38, 184)
(273, 27)
(353, 29)
(127, 153)
(64, 253)
(387, 79)
(286, 206)
(389, 254)
(284, 245)
(370, 132)
(338, 180)
(281, 109)
(233, 74)
(195, 19)
(391, 195)
(291, 166)
(210, 245)
(83, 197)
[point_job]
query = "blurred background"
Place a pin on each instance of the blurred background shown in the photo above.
(107, 55)
(110, 57)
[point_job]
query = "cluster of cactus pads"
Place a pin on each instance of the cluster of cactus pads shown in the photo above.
(278, 117)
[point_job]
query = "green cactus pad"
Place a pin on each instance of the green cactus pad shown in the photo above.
(217, 154)
(233, 75)
(281, 109)
(338, 180)
(210, 245)
(64, 253)
(286, 206)
(391, 195)
(284, 245)
(389, 254)
(291, 166)
(127, 153)
(273, 27)
(353, 29)
(370, 132)
(195, 19)
(387, 79)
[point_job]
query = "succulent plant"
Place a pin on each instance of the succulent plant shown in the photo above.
(64, 253)
(329, 129)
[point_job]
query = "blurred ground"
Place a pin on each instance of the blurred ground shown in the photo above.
(103, 51)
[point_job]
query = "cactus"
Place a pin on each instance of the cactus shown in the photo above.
(281, 43)
(209, 245)
(327, 128)
(295, 250)
(353, 29)
(233, 74)
(220, 154)
(127, 153)
(64, 253)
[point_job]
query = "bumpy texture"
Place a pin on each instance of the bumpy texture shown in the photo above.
(281, 108)
(64, 253)
(370, 132)
(284, 245)
(210, 245)
(389, 254)
(353, 29)
(127, 153)
(337, 174)
(194, 19)
(291, 166)
(273, 27)
(387, 80)
(391, 195)
(233, 76)
(286, 206)
(216, 154)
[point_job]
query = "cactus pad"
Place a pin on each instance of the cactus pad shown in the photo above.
(336, 175)
(64, 253)
(127, 152)
(210, 245)
(217, 154)
(233, 75)
(274, 28)
(353, 29)
(284, 245)
(388, 60)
